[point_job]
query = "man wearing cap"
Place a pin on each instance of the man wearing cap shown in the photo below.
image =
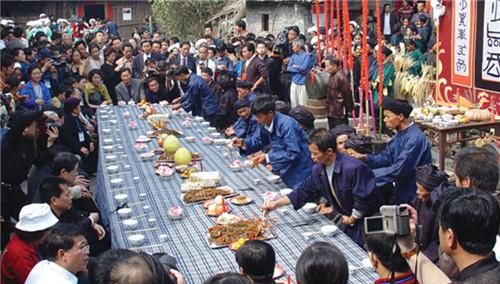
(407, 150)
(304, 117)
(246, 125)
(244, 89)
(21, 253)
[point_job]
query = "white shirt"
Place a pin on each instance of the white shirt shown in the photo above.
(48, 272)
(387, 24)
(207, 63)
(146, 56)
(270, 129)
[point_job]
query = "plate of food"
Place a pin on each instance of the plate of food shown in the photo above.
(241, 200)
(203, 194)
(220, 236)
(226, 219)
(142, 139)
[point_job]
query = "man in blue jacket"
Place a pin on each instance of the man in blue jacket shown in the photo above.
(299, 65)
(198, 98)
(246, 125)
(289, 156)
(407, 150)
(346, 183)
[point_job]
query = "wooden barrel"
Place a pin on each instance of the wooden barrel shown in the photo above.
(317, 107)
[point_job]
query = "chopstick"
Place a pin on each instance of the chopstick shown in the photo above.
(143, 230)
(143, 247)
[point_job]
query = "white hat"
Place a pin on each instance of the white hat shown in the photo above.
(311, 30)
(43, 15)
(173, 46)
(36, 217)
(17, 65)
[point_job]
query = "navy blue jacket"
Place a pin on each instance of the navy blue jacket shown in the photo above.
(198, 98)
(354, 185)
(406, 151)
(289, 155)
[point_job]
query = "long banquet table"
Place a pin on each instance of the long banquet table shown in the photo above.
(187, 237)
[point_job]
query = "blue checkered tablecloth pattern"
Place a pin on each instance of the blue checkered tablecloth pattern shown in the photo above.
(187, 237)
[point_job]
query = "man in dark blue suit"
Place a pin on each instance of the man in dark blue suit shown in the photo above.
(184, 58)
(140, 59)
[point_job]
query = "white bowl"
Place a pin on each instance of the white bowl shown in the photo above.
(163, 237)
(205, 123)
(116, 182)
(152, 222)
(235, 168)
(108, 148)
(142, 196)
(273, 178)
(328, 230)
(198, 118)
(215, 135)
(190, 139)
(107, 141)
(112, 169)
(121, 199)
(309, 207)
(212, 129)
(286, 191)
(147, 156)
(136, 240)
(175, 213)
(113, 121)
(130, 224)
(106, 131)
(110, 158)
(146, 208)
(124, 213)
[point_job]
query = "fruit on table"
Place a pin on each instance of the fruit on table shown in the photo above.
(218, 206)
(171, 144)
(236, 245)
(478, 114)
(182, 156)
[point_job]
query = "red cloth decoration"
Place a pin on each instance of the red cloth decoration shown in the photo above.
(379, 55)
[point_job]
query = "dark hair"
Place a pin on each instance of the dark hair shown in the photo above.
(241, 24)
(7, 60)
(33, 68)
(257, 258)
(29, 237)
(324, 139)
(64, 161)
(181, 69)
(109, 51)
(12, 81)
(56, 36)
(60, 237)
(127, 45)
(322, 262)
(145, 41)
(250, 47)
(80, 42)
(141, 268)
(115, 38)
(261, 42)
(263, 104)
(156, 41)
(207, 25)
(125, 69)
(51, 187)
(185, 43)
(332, 60)
(473, 216)
(387, 4)
(68, 91)
(92, 73)
(174, 39)
(100, 268)
(480, 166)
(18, 32)
(228, 278)
(207, 70)
(387, 252)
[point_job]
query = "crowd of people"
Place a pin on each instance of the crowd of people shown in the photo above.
(54, 77)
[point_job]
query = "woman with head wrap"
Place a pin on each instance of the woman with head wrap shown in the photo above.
(431, 182)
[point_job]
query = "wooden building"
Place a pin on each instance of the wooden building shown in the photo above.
(127, 14)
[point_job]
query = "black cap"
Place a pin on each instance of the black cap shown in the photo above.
(397, 106)
(342, 129)
(302, 115)
(241, 103)
(70, 104)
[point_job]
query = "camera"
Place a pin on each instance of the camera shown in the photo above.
(394, 220)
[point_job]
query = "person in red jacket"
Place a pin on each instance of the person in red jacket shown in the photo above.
(21, 253)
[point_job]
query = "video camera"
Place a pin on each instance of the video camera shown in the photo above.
(394, 220)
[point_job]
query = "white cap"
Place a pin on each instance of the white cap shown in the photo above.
(17, 65)
(173, 46)
(36, 217)
(311, 30)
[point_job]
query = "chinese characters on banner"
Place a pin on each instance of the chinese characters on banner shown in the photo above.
(463, 14)
(490, 70)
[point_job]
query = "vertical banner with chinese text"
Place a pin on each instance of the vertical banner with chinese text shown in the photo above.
(462, 42)
(488, 46)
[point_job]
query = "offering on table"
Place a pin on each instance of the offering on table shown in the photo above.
(140, 147)
(175, 212)
(164, 172)
(218, 207)
(224, 235)
(206, 140)
(142, 139)
(241, 200)
(203, 194)
(166, 158)
(201, 179)
(226, 218)
(132, 124)
(182, 157)
(186, 123)
(236, 245)
(171, 144)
